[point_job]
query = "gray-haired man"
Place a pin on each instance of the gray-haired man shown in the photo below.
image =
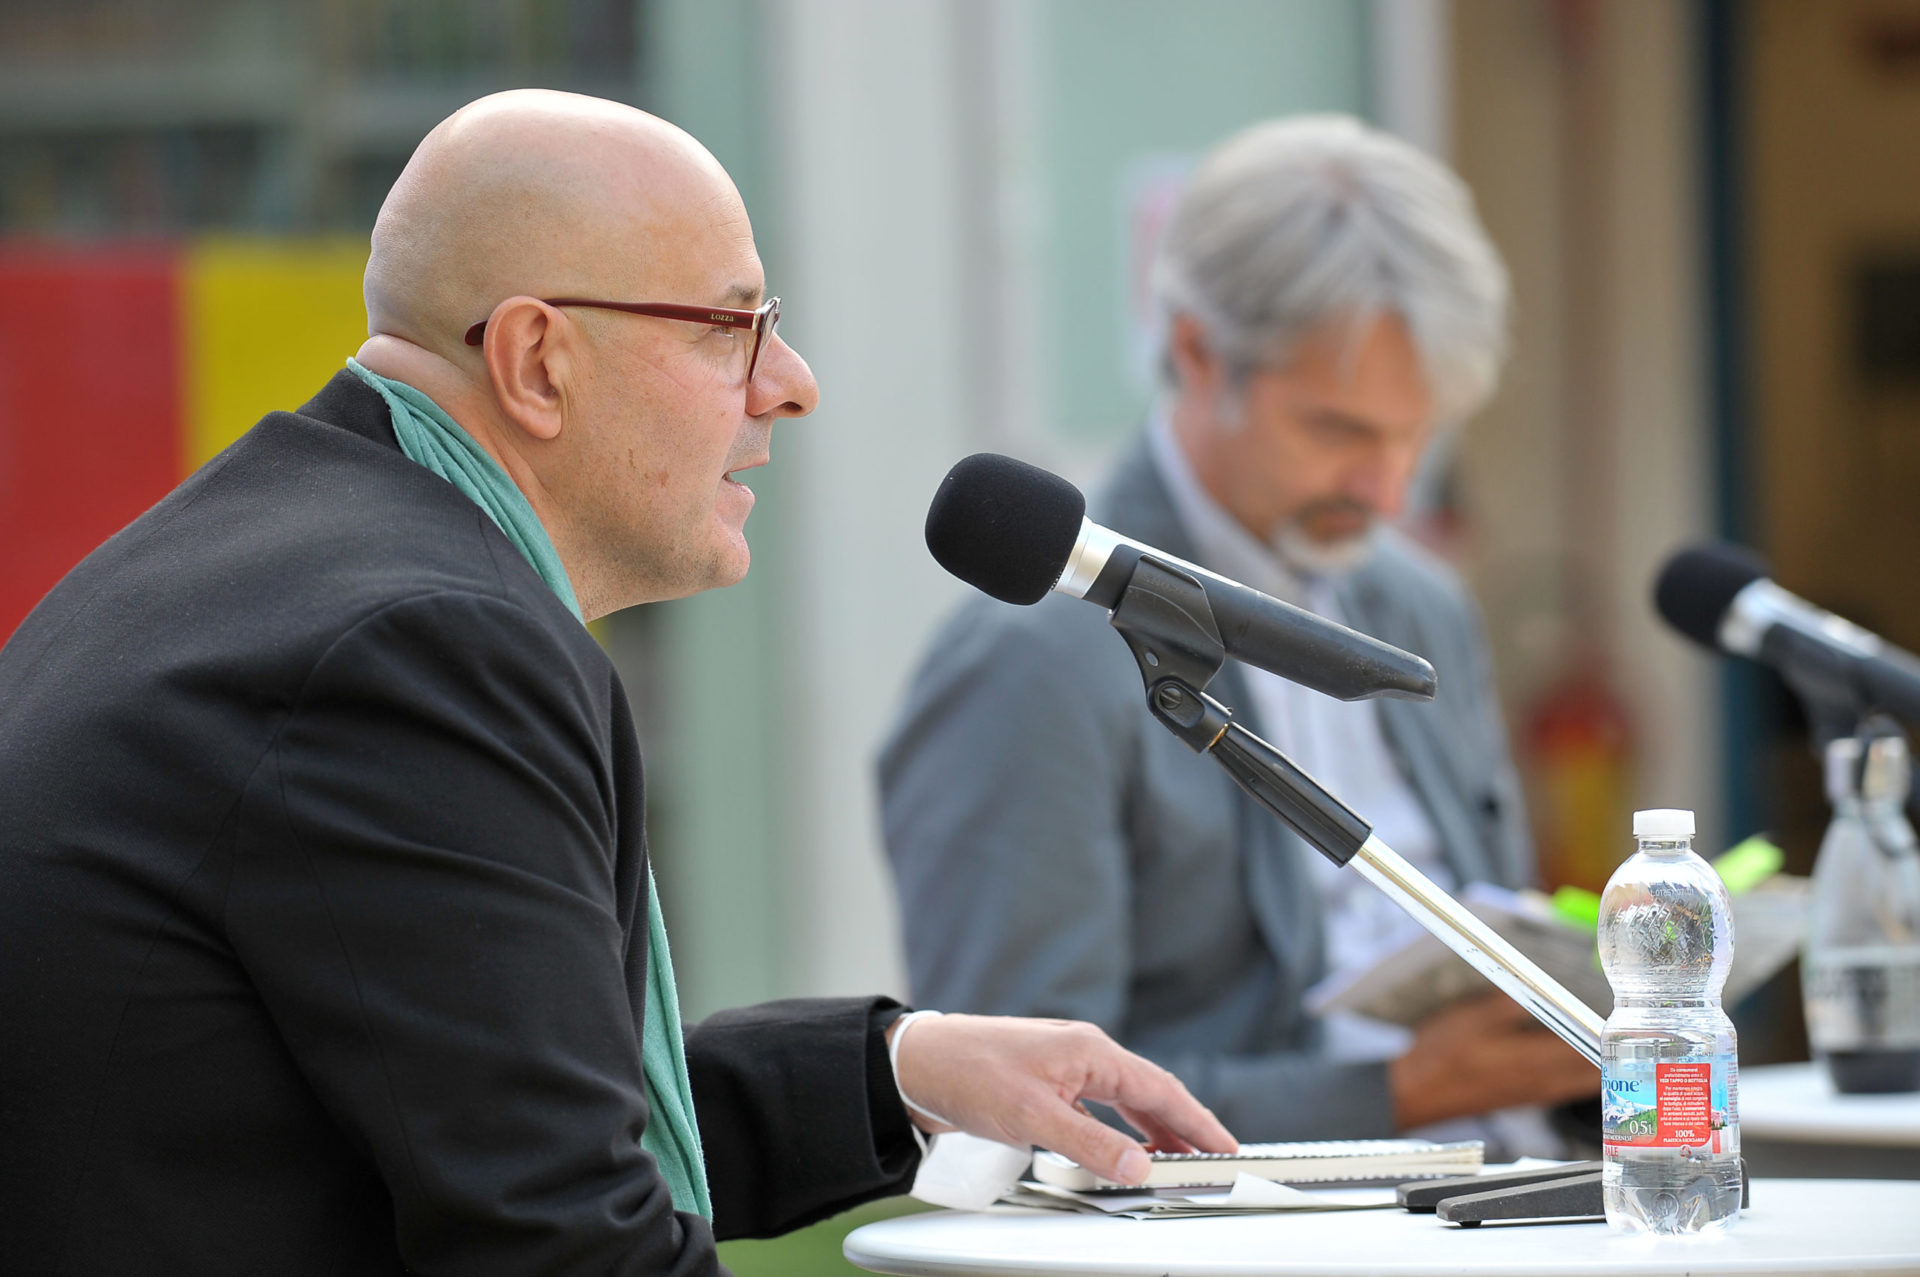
(1330, 301)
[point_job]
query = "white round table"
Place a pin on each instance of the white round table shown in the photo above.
(1798, 1102)
(1794, 1226)
(1792, 1122)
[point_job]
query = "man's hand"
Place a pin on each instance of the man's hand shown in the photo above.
(1480, 1054)
(1021, 1081)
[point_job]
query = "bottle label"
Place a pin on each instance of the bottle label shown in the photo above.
(1645, 1104)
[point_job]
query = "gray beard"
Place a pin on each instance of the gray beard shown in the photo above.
(1312, 558)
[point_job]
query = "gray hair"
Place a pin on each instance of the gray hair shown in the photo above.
(1293, 225)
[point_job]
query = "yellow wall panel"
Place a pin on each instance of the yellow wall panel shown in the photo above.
(266, 323)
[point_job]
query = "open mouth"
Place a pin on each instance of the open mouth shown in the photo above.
(733, 476)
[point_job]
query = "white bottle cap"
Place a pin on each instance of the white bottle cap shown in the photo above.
(1663, 822)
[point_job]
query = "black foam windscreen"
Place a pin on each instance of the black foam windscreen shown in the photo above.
(1004, 527)
(1697, 586)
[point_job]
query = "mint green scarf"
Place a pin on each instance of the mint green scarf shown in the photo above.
(432, 438)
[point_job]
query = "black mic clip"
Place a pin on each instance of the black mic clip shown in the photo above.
(1164, 616)
(1834, 686)
(1169, 625)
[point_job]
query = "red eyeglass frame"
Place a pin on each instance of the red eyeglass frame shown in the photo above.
(761, 321)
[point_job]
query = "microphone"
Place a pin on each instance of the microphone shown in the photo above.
(1720, 597)
(1016, 532)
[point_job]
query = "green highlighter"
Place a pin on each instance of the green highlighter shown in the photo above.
(1743, 866)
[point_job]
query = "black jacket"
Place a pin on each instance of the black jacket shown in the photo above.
(323, 910)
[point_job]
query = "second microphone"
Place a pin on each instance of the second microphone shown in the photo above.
(1016, 532)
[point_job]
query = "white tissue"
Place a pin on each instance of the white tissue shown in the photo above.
(965, 1172)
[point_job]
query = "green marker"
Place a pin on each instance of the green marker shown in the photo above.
(1577, 905)
(1746, 865)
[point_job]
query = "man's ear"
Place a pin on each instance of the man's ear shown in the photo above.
(1197, 369)
(527, 364)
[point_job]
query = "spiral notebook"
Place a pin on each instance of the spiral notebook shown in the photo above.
(1306, 1162)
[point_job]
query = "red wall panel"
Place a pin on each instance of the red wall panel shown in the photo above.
(90, 405)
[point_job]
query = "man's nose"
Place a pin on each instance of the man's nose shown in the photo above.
(782, 385)
(1380, 480)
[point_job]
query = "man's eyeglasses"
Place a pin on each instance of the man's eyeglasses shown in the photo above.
(761, 321)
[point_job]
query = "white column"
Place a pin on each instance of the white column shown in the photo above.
(868, 170)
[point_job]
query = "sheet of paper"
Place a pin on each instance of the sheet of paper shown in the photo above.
(1249, 1193)
(1092, 1203)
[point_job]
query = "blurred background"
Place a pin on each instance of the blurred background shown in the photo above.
(1711, 210)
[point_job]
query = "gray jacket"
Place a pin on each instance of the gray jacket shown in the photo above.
(1059, 853)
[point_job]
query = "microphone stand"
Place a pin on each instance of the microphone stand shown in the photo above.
(1166, 620)
(1837, 698)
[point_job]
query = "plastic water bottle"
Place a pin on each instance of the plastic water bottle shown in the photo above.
(1669, 1073)
(1861, 971)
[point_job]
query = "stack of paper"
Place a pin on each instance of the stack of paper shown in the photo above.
(1247, 1193)
(1309, 1175)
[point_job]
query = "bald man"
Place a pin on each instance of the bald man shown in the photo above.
(328, 943)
